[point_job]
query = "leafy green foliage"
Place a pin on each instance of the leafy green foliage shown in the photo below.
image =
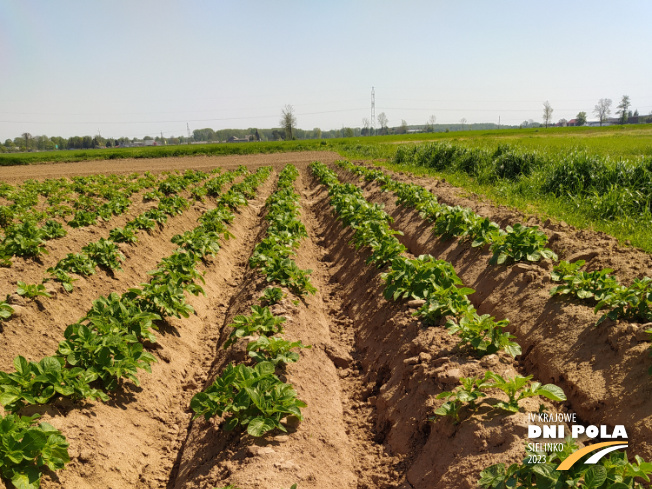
(105, 254)
(142, 222)
(251, 396)
(26, 447)
(415, 279)
(115, 313)
(274, 349)
(52, 230)
(31, 291)
(123, 235)
(260, 321)
(24, 239)
(79, 263)
(583, 285)
(423, 278)
(519, 388)
(83, 218)
(484, 334)
(271, 296)
(520, 243)
(288, 274)
(444, 301)
(633, 302)
(473, 388)
(199, 241)
(284, 232)
(40, 382)
(5, 311)
(108, 353)
(465, 395)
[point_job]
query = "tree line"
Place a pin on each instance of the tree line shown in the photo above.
(602, 111)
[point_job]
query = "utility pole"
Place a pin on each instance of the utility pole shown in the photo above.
(373, 108)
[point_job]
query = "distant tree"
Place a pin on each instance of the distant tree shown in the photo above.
(581, 118)
(288, 121)
(603, 109)
(27, 137)
(277, 135)
(383, 121)
(9, 143)
(463, 122)
(430, 125)
(347, 132)
(547, 113)
(623, 106)
(562, 122)
(365, 127)
(316, 133)
(403, 128)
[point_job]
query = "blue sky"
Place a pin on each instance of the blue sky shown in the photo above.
(136, 68)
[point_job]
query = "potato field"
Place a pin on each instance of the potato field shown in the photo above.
(300, 320)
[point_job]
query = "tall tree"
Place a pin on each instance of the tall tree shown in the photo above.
(623, 106)
(27, 136)
(365, 127)
(430, 125)
(603, 109)
(581, 118)
(382, 120)
(288, 121)
(547, 113)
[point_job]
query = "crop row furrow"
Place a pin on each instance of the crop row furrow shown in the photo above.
(107, 345)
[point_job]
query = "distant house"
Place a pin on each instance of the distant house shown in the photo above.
(572, 122)
(244, 139)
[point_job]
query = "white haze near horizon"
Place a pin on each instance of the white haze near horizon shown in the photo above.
(125, 68)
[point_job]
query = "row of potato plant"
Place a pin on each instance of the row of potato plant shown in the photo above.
(253, 396)
(423, 278)
(284, 232)
(104, 347)
(513, 244)
(613, 472)
(436, 283)
(81, 192)
(623, 302)
(25, 238)
(633, 302)
(105, 253)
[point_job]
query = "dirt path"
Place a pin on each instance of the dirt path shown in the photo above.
(16, 174)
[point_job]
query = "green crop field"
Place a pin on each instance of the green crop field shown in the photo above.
(611, 167)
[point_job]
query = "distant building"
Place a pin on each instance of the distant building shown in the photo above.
(244, 139)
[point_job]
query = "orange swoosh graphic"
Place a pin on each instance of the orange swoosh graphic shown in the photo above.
(568, 463)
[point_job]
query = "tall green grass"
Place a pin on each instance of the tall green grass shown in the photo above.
(609, 194)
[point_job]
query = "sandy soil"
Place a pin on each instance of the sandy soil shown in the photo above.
(372, 375)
